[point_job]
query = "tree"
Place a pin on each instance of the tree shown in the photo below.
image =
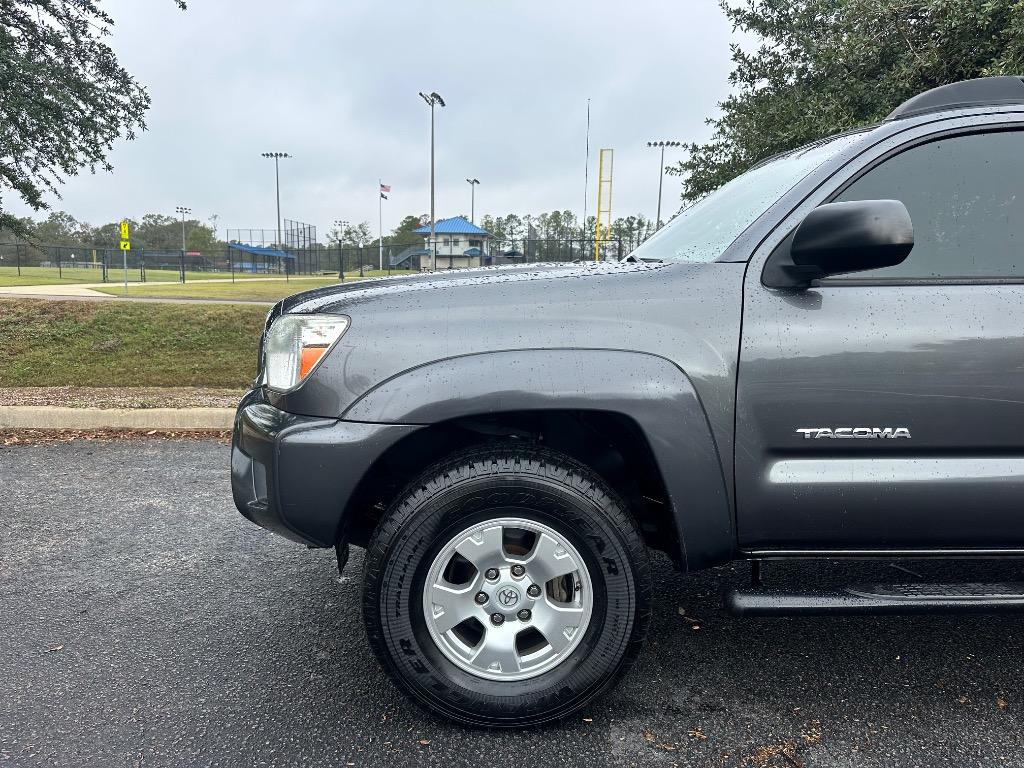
(64, 99)
(405, 232)
(60, 228)
(631, 231)
(200, 238)
(158, 232)
(351, 235)
(107, 235)
(824, 66)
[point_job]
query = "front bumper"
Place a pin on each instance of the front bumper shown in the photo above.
(295, 475)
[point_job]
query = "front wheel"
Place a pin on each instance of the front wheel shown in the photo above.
(506, 587)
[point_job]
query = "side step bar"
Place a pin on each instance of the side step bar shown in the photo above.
(879, 599)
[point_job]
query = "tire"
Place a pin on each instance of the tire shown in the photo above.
(562, 641)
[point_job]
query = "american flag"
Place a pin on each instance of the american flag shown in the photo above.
(384, 190)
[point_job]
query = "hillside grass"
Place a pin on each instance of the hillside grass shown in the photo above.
(249, 290)
(126, 344)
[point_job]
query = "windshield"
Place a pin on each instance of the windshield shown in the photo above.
(703, 231)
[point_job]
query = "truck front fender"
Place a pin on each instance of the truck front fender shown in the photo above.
(650, 390)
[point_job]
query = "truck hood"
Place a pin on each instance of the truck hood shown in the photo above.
(524, 277)
(685, 313)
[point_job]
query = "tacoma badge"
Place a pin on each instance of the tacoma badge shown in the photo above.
(842, 433)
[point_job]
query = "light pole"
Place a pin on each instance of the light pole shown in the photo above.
(341, 225)
(432, 100)
(472, 199)
(661, 172)
(183, 211)
(277, 187)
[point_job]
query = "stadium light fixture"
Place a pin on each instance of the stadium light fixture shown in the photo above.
(277, 156)
(433, 100)
(341, 225)
(472, 199)
(183, 211)
(661, 172)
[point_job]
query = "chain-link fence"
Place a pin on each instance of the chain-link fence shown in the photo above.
(29, 264)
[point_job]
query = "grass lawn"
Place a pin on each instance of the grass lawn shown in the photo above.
(126, 344)
(52, 276)
(248, 290)
(49, 276)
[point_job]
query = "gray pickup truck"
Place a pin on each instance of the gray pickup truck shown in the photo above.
(823, 358)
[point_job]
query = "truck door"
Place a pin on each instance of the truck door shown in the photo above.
(885, 410)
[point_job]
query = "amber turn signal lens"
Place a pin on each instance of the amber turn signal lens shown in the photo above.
(296, 344)
(310, 357)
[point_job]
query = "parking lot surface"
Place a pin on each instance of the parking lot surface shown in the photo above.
(144, 622)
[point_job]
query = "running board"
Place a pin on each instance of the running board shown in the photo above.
(879, 599)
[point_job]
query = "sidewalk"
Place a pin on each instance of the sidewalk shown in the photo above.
(70, 290)
(52, 417)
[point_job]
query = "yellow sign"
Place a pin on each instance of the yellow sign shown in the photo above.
(125, 245)
(124, 229)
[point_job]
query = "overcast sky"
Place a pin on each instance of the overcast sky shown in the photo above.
(335, 84)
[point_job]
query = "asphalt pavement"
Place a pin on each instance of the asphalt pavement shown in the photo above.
(143, 622)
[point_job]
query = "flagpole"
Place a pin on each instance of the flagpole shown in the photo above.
(380, 221)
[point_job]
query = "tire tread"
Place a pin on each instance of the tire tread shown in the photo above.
(485, 461)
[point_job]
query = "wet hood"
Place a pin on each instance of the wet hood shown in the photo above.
(686, 313)
(459, 282)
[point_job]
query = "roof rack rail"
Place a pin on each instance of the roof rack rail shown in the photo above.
(966, 93)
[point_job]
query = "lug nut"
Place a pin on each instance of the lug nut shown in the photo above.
(492, 574)
(481, 598)
(497, 619)
(533, 590)
(524, 615)
(518, 571)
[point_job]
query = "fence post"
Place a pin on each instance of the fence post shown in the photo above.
(142, 264)
(60, 271)
(17, 256)
(231, 266)
(181, 267)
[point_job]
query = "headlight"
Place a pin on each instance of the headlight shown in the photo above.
(296, 344)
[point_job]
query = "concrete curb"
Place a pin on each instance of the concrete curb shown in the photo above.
(50, 417)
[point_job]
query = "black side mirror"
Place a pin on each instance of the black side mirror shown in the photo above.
(841, 237)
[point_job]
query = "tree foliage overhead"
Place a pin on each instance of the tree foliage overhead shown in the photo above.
(824, 66)
(64, 99)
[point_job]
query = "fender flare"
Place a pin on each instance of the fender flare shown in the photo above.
(652, 391)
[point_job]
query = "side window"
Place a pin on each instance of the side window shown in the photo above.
(965, 195)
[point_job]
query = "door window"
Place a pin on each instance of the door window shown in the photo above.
(965, 195)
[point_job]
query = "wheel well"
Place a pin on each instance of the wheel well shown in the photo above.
(611, 444)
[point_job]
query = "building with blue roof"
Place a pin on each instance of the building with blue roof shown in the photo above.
(459, 243)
